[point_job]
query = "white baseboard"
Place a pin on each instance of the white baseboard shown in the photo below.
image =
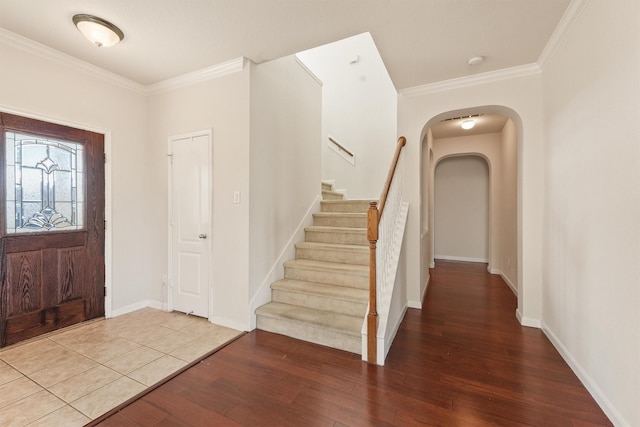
(137, 306)
(460, 258)
(276, 272)
(228, 323)
(605, 404)
(527, 321)
(514, 289)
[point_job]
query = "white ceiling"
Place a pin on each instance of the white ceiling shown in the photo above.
(420, 41)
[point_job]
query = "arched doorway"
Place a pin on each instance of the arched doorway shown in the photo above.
(461, 209)
(498, 143)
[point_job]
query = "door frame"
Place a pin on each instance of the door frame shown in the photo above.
(108, 196)
(169, 281)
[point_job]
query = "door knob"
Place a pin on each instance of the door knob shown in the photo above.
(202, 236)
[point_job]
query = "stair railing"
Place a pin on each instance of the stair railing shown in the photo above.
(380, 224)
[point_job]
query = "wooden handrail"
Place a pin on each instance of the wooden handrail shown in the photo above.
(373, 220)
(341, 147)
(392, 170)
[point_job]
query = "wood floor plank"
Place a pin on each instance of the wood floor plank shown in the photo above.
(463, 360)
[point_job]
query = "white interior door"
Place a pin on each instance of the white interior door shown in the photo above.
(190, 223)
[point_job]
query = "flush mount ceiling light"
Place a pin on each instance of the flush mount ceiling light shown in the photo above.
(98, 31)
(468, 124)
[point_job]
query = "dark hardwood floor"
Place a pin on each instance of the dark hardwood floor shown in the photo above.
(463, 360)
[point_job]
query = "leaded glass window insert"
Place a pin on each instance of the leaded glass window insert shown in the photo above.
(44, 184)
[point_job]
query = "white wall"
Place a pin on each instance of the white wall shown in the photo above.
(34, 83)
(359, 110)
(221, 104)
(461, 209)
(518, 97)
(592, 203)
(285, 160)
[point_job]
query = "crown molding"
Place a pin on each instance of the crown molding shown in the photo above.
(477, 79)
(568, 20)
(213, 72)
(38, 49)
(35, 48)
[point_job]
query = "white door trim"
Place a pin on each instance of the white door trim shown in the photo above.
(108, 195)
(209, 134)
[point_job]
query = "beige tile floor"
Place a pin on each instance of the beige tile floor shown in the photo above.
(73, 376)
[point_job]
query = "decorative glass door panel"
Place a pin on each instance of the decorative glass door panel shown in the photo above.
(51, 227)
(44, 184)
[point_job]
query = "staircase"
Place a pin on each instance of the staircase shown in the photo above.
(324, 294)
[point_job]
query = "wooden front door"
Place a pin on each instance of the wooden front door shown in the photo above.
(52, 271)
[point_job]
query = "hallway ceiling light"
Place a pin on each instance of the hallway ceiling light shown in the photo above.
(468, 124)
(98, 31)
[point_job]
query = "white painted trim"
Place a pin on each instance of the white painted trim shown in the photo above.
(209, 73)
(209, 232)
(384, 343)
(527, 321)
(108, 233)
(513, 288)
(108, 194)
(136, 306)
(418, 304)
(600, 397)
(35, 48)
(460, 258)
(48, 53)
(308, 70)
(276, 272)
(477, 79)
(568, 20)
(228, 323)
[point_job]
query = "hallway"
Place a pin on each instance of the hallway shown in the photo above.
(461, 361)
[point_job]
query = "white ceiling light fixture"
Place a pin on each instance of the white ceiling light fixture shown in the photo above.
(98, 31)
(468, 124)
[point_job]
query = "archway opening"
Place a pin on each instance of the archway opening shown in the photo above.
(461, 209)
(496, 139)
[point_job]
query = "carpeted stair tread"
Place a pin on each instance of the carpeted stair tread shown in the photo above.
(322, 289)
(344, 205)
(354, 269)
(340, 219)
(350, 325)
(332, 195)
(333, 247)
(333, 252)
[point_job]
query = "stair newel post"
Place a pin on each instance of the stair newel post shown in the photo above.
(372, 317)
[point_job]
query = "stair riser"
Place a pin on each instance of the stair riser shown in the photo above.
(319, 302)
(327, 277)
(349, 206)
(311, 333)
(340, 221)
(359, 238)
(331, 196)
(327, 187)
(344, 257)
